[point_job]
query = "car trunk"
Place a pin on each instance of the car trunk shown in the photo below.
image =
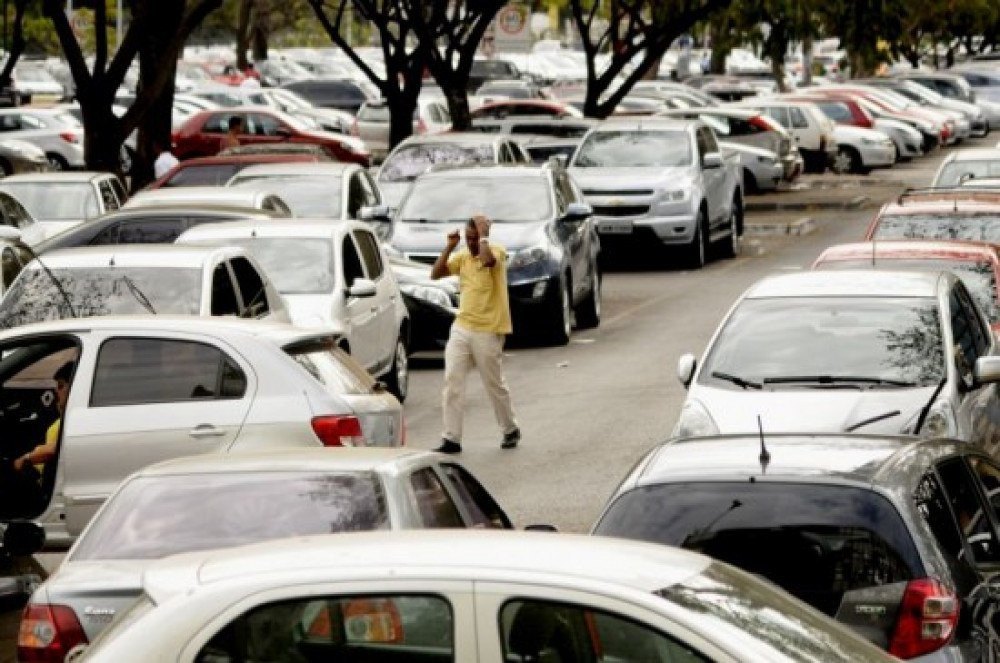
(95, 590)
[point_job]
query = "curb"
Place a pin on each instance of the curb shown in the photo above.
(857, 202)
(796, 228)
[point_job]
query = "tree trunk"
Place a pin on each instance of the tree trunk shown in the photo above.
(807, 60)
(102, 135)
(401, 108)
(260, 34)
(458, 106)
(654, 72)
(721, 45)
(243, 34)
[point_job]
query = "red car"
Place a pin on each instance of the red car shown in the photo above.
(216, 171)
(202, 134)
(962, 214)
(498, 110)
(977, 264)
(855, 115)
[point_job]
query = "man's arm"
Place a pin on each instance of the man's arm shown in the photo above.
(440, 269)
(486, 255)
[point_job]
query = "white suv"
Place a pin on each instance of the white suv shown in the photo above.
(330, 274)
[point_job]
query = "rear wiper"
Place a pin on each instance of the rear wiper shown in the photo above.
(737, 380)
(139, 295)
(837, 379)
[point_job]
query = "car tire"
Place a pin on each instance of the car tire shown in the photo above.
(588, 313)
(56, 162)
(847, 161)
(750, 182)
(397, 380)
(559, 317)
(731, 244)
(697, 250)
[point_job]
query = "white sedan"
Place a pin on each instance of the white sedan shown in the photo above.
(468, 597)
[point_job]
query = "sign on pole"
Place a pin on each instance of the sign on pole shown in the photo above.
(512, 33)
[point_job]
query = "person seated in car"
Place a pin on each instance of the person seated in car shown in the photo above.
(41, 454)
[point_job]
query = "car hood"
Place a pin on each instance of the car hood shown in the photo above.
(625, 179)
(97, 590)
(886, 124)
(812, 410)
(393, 192)
(430, 237)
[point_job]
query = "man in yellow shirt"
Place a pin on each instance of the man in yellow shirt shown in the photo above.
(46, 451)
(477, 336)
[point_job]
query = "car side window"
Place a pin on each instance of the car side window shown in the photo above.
(477, 501)
(537, 630)
(251, 288)
(265, 125)
(108, 196)
(108, 236)
(969, 510)
(710, 143)
(10, 267)
(119, 188)
(355, 196)
(434, 505)
(216, 124)
(779, 114)
(14, 214)
(702, 145)
(133, 371)
(387, 627)
(932, 504)
(369, 251)
(10, 122)
(965, 352)
(370, 191)
(980, 334)
(224, 301)
(352, 262)
(29, 122)
(799, 120)
(989, 479)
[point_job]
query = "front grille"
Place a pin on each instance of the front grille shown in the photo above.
(618, 192)
(426, 258)
(621, 210)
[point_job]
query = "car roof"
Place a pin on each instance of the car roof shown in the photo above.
(351, 459)
(455, 553)
(183, 210)
(975, 154)
(901, 249)
(300, 167)
(721, 111)
(56, 177)
(131, 255)
(192, 194)
(848, 283)
(298, 227)
(874, 460)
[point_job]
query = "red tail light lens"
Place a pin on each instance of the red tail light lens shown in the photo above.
(760, 123)
(70, 137)
(48, 633)
(338, 431)
(927, 619)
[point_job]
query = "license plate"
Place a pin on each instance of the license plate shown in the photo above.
(614, 227)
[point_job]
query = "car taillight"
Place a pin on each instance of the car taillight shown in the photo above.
(48, 633)
(421, 127)
(338, 431)
(927, 619)
(760, 123)
(355, 130)
(70, 137)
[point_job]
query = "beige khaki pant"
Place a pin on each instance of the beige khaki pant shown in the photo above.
(483, 350)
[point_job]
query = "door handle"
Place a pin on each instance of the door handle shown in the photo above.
(206, 430)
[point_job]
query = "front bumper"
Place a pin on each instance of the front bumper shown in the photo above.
(766, 175)
(668, 230)
(793, 165)
(877, 156)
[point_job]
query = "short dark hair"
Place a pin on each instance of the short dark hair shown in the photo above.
(65, 372)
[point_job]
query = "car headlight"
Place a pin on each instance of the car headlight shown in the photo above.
(527, 257)
(940, 422)
(675, 196)
(695, 421)
(427, 293)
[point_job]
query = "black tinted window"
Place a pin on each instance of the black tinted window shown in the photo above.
(133, 371)
(251, 288)
(814, 541)
(352, 263)
(150, 231)
(432, 500)
(933, 506)
(370, 253)
(970, 512)
(485, 512)
(224, 300)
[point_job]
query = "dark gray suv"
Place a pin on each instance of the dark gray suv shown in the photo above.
(540, 218)
(893, 537)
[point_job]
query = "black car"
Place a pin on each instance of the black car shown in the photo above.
(432, 305)
(342, 94)
(539, 216)
(145, 225)
(896, 538)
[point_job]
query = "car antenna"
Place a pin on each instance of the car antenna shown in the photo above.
(765, 455)
(52, 277)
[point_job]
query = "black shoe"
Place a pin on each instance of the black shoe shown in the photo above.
(449, 447)
(511, 439)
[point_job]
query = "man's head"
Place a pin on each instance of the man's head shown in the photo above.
(472, 237)
(235, 124)
(62, 378)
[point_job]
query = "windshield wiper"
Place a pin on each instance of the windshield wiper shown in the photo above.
(737, 380)
(837, 379)
(138, 294)
(872, 420)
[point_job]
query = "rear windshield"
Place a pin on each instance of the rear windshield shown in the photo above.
(64, 201)
(152, 517)
(207, 175)
(812, 540)
(410, 162)
(334, 369)
(296, 265)
(975, 227)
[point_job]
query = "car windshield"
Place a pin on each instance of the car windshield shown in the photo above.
(977, 275)
(296, 265)
(886, 341)
(853, 537)
(306, 195)
(975, 227)
(331, 367)
(502, 199)
(410, 162)
(97, 291)
(153, 517)
(51, 201)
(634, 149)
(956, 172)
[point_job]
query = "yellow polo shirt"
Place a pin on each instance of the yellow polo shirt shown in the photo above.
(484, 306)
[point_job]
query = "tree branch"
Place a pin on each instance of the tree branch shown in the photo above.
(100, 38)
(17, 42)
(55, 11)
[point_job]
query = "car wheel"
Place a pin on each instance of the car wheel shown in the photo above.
(845, 162)
(559, 321)
(56, 162)
(588, 313)
(398, 378)
(731, 245)
(697, 250)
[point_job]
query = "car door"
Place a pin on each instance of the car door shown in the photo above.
(150, 397)
(714, 178)
(263, 128)
(573, 235)
(385, 299)
(977, 407)
(362, 332)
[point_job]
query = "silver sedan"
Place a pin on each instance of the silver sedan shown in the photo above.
(202, 503)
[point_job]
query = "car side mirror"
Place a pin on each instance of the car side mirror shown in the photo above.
(711, 160)
(987, 370)
(577, 212)
(23, 538)
(379, 213)
(686, 366)
(9, 233)
(362, 288)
